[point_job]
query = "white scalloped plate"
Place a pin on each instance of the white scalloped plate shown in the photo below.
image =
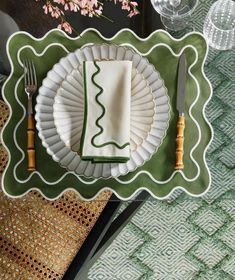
(69, 110)
(46, 122)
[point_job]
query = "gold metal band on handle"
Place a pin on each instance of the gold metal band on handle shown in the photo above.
(30, 143)
(179, 164)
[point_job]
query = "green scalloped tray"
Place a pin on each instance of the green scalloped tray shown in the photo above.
(157, 175)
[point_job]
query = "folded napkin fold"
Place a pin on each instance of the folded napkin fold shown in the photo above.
(106, 127)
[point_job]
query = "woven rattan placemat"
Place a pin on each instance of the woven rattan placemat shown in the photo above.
(39, 238)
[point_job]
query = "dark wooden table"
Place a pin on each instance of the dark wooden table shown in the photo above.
(29, 16)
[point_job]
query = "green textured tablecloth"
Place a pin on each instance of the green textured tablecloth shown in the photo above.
(186, 238)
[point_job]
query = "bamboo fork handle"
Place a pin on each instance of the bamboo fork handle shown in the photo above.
(30, 143)
(180, 143)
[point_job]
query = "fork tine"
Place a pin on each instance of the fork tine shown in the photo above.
(30, 77)
(25, 73)
(30, 72)
(34, 74)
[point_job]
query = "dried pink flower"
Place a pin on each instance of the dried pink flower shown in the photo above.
(134, 4)
(66, 26)
(53, 10)
(133, 13)
(62, 2)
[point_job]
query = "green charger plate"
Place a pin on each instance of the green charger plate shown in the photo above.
(157, 175)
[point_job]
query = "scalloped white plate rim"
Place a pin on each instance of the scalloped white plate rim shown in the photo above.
(50, 152)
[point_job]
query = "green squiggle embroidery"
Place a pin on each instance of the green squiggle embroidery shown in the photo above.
(101, 116)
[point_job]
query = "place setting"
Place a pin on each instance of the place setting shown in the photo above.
(93, 113)
(116, 139)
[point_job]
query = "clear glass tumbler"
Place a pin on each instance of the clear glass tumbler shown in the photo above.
(219, 25)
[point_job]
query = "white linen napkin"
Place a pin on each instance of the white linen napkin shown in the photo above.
(106, 127)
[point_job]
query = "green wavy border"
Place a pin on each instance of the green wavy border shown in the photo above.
(102, 115)
(15, 189)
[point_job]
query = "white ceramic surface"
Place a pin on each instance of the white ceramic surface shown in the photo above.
(46, 122)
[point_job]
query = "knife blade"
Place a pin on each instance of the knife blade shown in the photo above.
(180, 105)
(180, 101)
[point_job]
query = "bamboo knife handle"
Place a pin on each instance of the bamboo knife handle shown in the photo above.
(30, 143)
(180, 143)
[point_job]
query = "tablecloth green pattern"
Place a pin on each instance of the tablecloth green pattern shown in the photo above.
(184, 238)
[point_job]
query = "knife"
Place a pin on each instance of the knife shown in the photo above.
(180, 102)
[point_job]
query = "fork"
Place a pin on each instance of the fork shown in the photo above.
(30, 81)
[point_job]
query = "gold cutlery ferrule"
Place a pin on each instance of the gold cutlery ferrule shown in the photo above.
(30, 143)
(179, 164)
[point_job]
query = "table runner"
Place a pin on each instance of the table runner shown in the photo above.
(157, 175)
